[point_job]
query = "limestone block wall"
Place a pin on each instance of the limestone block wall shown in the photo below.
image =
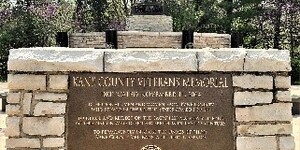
(153, 23)
(136, 39)
(38, 84)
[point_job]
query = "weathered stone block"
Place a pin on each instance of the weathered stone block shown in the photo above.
(26, 81)
(175, 35)
(49, 108)
(221, 60)
(286, 143)
(283, 82)
(151, 40)
(45, 96)
(269, 129)
(268, 60)
(256, 143)
(53, 142)
(2, 122)
(252, 98)
(27, 99)
(214, 35)
(155, 60)
(55, 59)
(2, 140)
(154, 23)
(253, 82)
(23, 143)
(43, 126)
(58, 82)
(13, 98)
(13, 109)
(284, 96)
(89, 34)
(12, 126)
(272, 112)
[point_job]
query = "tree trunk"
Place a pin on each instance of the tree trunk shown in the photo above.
(277, 24)
(229, 10)
(79, 16)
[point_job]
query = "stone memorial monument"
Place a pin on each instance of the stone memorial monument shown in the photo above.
(146, 96)
(149, 15)
(148, 7)
(144, 99)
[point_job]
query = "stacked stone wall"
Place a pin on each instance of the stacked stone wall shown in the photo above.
(38, 83)
(135, 39)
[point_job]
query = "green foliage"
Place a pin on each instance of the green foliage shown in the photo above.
(31, 27)
(185, 16)
(98, 9)
(100, 15)
(117, 11)
(296, 66)
(24, 31)
(63, 19)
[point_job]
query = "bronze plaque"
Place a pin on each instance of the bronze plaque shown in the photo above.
(150, 111)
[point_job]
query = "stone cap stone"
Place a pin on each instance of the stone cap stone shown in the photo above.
(135, 60)
(133, 33)
(89, 34)
(55, 59)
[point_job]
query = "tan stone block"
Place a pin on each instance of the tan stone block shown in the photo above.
(26, 82)
(296, 131)
(148, 23)
(2, 122)
(43, 126)
(154, 60)
(13, 109)
(256, 143)
(221, 60)
(252, 98)
(286, 143)
(58, 82)
(283, 82)
(27, 99)
(267, 60)
(253, 82)
(13, 126)
(284, 96)
(82, 35)
(2, 140)
(149, 41)
(54, 59)
(45, 96)
(49, 108)
(269, 129)
(272, 112)
(54, 142)
(23, 143)
(13, 98)
(176, 35)
(124, 34)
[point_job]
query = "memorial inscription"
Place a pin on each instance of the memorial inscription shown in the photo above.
(142, 111)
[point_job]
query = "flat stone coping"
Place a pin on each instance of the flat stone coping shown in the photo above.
(146, 59)
(134, 33)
